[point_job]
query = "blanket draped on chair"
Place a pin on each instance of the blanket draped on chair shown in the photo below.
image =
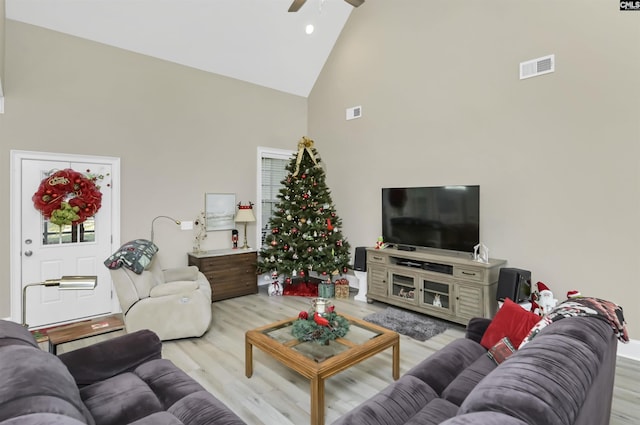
(136, 255)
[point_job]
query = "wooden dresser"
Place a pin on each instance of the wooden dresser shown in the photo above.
(231, 272)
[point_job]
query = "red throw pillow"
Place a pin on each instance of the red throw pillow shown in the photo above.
(511, 321)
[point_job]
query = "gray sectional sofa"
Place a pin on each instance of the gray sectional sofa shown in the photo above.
(563, 376)
(120, 381)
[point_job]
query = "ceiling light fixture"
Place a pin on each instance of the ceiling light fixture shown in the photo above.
(309, 29)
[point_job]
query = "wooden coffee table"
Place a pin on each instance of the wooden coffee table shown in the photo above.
(319, 362)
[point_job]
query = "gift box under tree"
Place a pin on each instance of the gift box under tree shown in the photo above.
(326, 290)
(342, 288)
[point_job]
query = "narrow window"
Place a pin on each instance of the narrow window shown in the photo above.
(272, 165)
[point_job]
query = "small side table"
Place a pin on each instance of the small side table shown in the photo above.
(84, 329)
(230, 272)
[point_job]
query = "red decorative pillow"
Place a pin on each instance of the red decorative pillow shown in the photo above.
(511, 321)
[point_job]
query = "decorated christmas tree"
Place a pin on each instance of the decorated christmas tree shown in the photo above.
(305, 234)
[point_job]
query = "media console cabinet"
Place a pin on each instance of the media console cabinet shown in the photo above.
(231, 272)
(450, 287)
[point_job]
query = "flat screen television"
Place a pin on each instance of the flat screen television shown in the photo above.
(443, 217)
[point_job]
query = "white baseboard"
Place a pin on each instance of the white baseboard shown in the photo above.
(630, 350)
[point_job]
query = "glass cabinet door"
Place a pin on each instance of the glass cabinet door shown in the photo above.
(437, 295)
(402, 286)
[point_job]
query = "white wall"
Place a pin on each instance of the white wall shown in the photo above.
(179, 132)
(2, 24)
(557, 156)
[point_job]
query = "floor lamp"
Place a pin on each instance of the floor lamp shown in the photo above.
(177, 222)
(64, 283)
(245, 215)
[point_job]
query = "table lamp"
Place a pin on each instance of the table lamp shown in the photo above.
(245, 215)
(177, 222)
(64, 283)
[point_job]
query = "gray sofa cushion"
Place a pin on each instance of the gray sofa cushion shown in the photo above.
(121, 399)
(34, 381)
(201, 408)
(458, 390)
(537, 384)
(123, 381)
(183, 397)
(434, 413)
(154, 387)
(115, 356)
(563, 377)
(160, 418)
(395, 404)
(14, 334)
(404, 399)
(442, 367)
(476, 328)
(169, 383)
(42, 419)
(484, 418)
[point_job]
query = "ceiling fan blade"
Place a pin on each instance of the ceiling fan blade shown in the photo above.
(355, 3)
(296, 5)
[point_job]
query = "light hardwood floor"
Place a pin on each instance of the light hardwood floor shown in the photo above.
(275, 395)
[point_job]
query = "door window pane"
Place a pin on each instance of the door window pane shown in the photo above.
(54, 234)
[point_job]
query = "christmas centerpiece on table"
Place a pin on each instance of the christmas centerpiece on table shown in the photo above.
(304, 234)
(321, 324)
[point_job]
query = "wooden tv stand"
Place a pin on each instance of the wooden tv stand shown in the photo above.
(416, 280)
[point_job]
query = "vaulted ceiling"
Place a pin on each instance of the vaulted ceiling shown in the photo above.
(256, 41)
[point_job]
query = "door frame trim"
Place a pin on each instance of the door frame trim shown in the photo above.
(15, 215)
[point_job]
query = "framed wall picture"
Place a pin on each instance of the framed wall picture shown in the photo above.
(219, 210)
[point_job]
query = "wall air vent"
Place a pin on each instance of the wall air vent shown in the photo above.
(535, 67)
(354, 112)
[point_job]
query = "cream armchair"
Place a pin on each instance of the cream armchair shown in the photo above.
(174, 303)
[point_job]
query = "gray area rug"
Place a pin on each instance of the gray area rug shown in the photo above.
(414, 325)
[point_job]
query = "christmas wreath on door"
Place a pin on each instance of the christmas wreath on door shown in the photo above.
(68, 197)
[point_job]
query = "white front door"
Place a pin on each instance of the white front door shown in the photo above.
(49, 251)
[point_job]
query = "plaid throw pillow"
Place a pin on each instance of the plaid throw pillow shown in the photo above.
(135, 255)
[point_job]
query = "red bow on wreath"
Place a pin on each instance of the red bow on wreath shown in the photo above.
(67, 197)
